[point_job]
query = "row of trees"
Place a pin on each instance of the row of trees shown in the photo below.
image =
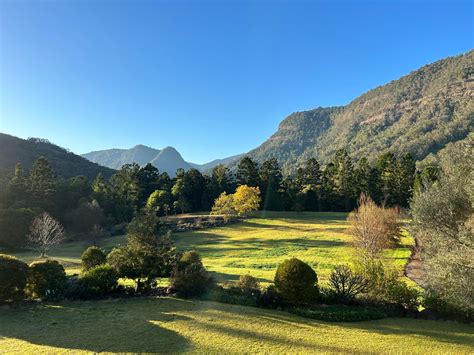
(85, 207)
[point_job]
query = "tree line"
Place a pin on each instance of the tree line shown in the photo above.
(88, 209)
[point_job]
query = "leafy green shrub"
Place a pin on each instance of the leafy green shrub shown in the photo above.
(270, 298)
(384, 286)
(398, 292)
(296, 281)
(92, 256)
(189, 277)
(346, 284)
(13, 277)
(442, 309)
(46, 279)
(248, 285)
(340, 313)
(100, 280)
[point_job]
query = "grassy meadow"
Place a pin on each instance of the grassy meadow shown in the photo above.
(255, 246)
(174, 325)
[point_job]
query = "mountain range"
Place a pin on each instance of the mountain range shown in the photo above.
(166, 160)
(419, 113)
(65, 164)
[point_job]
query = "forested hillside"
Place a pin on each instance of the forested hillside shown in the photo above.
(64, 163)
(419, 114)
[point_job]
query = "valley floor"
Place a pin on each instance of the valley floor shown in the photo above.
(174, 325)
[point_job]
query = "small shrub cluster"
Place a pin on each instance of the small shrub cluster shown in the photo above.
(92, 257)
(13, 278)
(189, 277)
(340, 313)
(296, 281)
(46, 280)
(98, 281)
(345, 284)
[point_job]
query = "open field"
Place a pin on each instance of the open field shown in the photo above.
(69, 254)
(173, 325)
(259, 244)
(256, 245)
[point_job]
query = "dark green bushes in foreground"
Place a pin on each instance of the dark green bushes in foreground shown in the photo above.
(189, 277)
(46, 280)
(13, 277)
(92, 257)
(296, 281)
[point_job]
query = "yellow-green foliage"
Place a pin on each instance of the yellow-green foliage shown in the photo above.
(258, 245)
(173, 325)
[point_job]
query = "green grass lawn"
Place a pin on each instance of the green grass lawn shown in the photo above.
(254, 246)
(173, 325)
(69, 254)
(259, 244)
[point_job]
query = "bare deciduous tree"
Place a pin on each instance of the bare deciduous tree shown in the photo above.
(373, 228)
(45, 233)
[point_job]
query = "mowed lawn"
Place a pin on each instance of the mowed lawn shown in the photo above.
(69, 254)
(258, 245)
(255, 246)
(173, 325)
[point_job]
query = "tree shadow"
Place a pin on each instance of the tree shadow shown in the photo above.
(419, 327)
(96, 326)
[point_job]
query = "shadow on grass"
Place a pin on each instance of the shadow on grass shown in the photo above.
(96, 326)
(440, 330)
(142, 325)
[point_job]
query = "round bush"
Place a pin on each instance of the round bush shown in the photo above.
(99, 280)
(93, 256)
(13, 277)
(248, 285)
(189, 277)
(46, 279)
(296, 281)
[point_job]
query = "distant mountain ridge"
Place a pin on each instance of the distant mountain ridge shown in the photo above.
(419, 114)
(167, 160)
(65, 164)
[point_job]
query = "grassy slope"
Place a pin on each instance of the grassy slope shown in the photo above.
(69, 254)
(254, 246)
(172, 325)
(258, 245)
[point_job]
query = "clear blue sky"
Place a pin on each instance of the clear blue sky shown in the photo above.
(211, 78)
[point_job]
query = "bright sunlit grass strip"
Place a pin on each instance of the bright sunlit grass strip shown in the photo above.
(258, 245)
(174, 326)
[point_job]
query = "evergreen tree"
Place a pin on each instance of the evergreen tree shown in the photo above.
(387, 178)
(309, 181)
(148, 180)
(343, 180)
(247, 173)
(405, 179)
(42, 185)
(270, 185)
(18, 188)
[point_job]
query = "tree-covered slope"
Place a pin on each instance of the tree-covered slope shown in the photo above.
(419, 113)
(65, 164)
